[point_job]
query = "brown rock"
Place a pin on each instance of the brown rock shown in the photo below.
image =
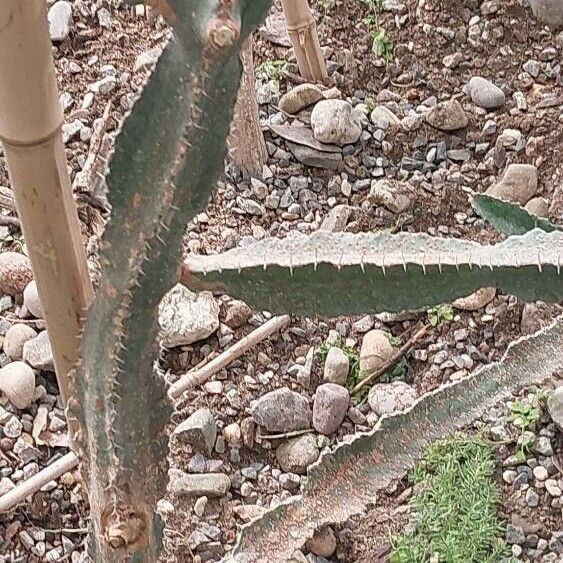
(15, 272)
(300, 97)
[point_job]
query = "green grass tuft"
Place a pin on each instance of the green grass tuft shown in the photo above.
(455, 504)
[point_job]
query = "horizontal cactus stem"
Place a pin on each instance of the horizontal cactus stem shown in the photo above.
(331, 291)
(334, 274)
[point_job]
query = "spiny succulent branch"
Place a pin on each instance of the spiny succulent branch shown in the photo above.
(509, 218)
(167, 159)
(342, 274)
(344, 481)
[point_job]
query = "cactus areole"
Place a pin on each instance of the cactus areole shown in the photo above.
(168, 157)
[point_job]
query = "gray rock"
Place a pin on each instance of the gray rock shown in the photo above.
(447, 116)
(485, 94)
(251, 207)
(519, 184)
(302, 136)
(542, 446)
(337, 219)
(383, 117)
(375, 350)
(294, 456)
(316, 159)
(282, 410)
(391, 195)
(214, 485)
(330, 407)
(60, 20)
(6, 485)
(336, 367)
(555, 407)
(185, 317)
(31, 300)
(335, 121)
(37, 352)
(199, 430)
(477, 300)
(275, 29)
(514, 535)
(16, 336)
(387, 398)
(549, 12)
(300, 97)
(538, 206)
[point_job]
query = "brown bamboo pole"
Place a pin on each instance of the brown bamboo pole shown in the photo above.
(302, 31)
(30, 130)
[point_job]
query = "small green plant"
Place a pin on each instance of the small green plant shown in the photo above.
(271, 70)
(452, 521)
(381, 44)
(439, 314)
(523, 416)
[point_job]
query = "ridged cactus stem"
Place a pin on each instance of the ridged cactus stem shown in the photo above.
(168, 156)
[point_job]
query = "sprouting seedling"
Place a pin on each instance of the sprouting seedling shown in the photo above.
(439, 314)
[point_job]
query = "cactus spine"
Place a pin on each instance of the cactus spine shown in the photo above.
(168, 156)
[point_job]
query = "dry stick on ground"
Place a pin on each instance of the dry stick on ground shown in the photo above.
(393, 360)
(196, 378)
(188, 381)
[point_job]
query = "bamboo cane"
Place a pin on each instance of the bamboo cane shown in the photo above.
(302, 31)
(30, 130)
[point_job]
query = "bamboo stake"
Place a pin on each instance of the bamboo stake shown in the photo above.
(193, 379)
(302, 31)
(66, 463)
(188, 381)
(30, 130)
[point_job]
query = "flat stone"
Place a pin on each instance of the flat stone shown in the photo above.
(337, 219)
(388, 398)
(199, 430)
(336, 366)
(330, 407)
(447, 116)
(555, 407)
(518, 184)
(295, 455)
(60, 20)
(185, 317)
(394, 196)
(37, 352)
(302, 136)
(485, 94)
(383, 117)
(282, 410)
(375, 350)
(315, 158)
(477, 300)
(336, 121)
(300, 97)
(214, 485)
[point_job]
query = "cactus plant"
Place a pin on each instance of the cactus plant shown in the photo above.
(336, 274)
(509, 218)
(344, 481)
(168, 156)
